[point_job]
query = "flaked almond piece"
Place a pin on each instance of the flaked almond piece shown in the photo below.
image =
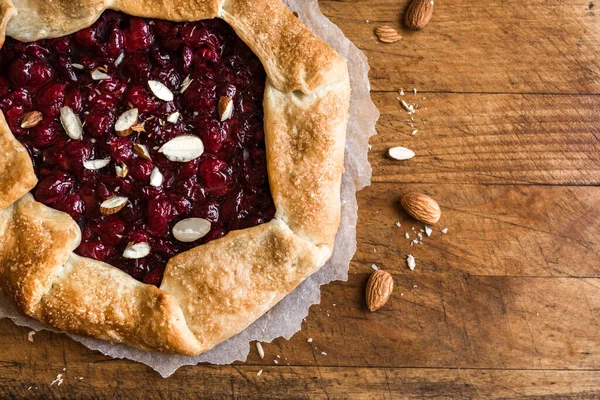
(400, 153)
(160, 91)
(173, 117)
(225, 108)
(418, 14)
(31, 119)
(138, 128)
(99, 74)
(387, 34)
(121, 170)
(183, 148)
(119, 59)
(126, 121)
(185, 84)
(71, 123)
(379, 289)
(136, 250)
(421, 207)
(113, 205)
(96, 164)
(191, 229)
(156, 177)
(142, 151)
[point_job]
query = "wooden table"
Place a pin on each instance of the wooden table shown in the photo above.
(507, 303)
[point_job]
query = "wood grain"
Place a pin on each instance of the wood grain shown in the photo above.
(469, 138)
(289, 382)
(508, 230)
(533, 46)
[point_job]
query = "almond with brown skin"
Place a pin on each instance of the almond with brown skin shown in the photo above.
(31, 119)
(421, 207)
(225, 108)
(387, 34)
(379, 289)
(113, 205)
(418, 14)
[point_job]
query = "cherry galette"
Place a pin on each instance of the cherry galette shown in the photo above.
(169, 169)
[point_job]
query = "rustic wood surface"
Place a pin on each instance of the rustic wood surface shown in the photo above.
(506, 304)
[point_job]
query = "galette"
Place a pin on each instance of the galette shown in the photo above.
(169, 169)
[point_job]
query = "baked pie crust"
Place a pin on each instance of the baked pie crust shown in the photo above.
(213, 291)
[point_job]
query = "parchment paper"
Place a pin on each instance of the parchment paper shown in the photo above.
(286, 317)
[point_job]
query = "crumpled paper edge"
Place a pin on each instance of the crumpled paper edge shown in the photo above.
(285, 319)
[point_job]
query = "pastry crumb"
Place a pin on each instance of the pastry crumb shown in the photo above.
(410, 260)
(259, 373)
(276, 362)
(398, 224)
(30, 336)
(406, 235)
(445, 230)
(428, 230)
(374, 267)
(323, 353)
(309, 340)
(58, 380)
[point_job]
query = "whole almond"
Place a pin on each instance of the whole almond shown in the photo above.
(31, 119)
(379, 289)
(418, 14)
(387, 34)
(421, 207)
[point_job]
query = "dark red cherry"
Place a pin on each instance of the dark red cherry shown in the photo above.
(140, 169)
(52, 187)
(99, 122)
(72, 204)
(121, 149)
(96, 250)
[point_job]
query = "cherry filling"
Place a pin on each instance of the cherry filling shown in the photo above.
(99, 73)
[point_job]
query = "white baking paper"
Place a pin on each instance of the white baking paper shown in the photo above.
(285, 318)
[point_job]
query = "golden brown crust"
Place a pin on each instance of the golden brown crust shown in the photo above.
(222, 286)
(35, 243)
(225, 285)
(305, 136)
(16, 169)
(96, 299)
(293, 56)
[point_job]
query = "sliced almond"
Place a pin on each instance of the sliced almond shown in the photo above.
(387, 34)
(191, 229)
(183, 148)
(121, 170)
(126, 121)
(142, 151)
(156, 177)
(99, 74)
(96, 164)
(119, 59)
(137, 250)
(400, 153)
(173, 117)
(31, 119)
(113, 205)
(225, 108)
(77, 66)
(160, 90)
(71, 122)
(185, 84)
